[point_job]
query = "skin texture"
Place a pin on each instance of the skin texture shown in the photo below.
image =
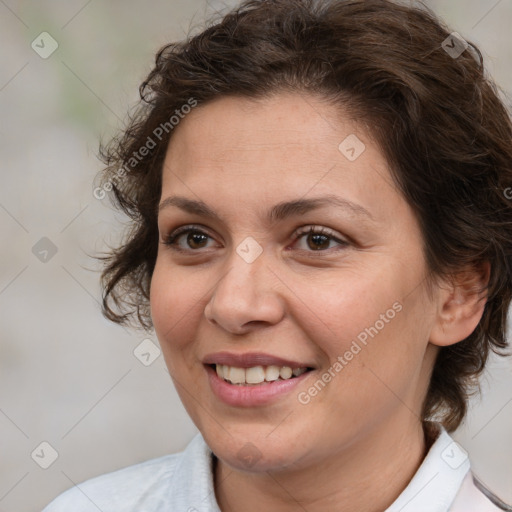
(359, 441)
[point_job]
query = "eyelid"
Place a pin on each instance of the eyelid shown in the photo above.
(342, 241)
(319, 230)
(170, 239)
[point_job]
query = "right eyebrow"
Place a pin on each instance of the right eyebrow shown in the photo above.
(278, 212)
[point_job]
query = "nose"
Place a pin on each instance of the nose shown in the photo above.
(246, 297)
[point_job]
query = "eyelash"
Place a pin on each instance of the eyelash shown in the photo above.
(171, 239)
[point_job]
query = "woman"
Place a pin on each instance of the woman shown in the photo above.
(322, 243)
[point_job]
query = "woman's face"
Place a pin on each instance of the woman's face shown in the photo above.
(250, 288)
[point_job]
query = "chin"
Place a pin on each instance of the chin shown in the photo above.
(251, 459)
(254, 453)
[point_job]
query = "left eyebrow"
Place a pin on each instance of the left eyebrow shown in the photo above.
(278, 212)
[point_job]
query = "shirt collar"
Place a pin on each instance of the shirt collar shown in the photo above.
(434, 486)
(192, 488)
(432, 489)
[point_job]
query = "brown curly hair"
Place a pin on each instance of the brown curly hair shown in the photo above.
(436, 117)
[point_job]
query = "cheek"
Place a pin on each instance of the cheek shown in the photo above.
(174, 301)
(369, 318)
(340, 308)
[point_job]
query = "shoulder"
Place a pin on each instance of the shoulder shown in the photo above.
(474, 496)
(145, 486)
(113, 491)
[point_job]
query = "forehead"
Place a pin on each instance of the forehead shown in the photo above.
(280, 147)
(231, 128)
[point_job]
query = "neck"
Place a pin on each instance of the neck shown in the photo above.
(369, 475)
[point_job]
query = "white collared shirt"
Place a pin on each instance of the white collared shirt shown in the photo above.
(183, 482)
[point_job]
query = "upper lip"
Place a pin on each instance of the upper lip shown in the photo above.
(250, 359)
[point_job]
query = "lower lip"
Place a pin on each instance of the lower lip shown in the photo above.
(251, 395)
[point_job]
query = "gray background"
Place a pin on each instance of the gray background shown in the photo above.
(68, 376)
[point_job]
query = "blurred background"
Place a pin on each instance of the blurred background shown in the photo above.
(80, 396)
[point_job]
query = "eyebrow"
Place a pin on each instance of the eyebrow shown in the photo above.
(278, 212)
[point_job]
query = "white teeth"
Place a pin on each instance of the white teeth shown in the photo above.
(272, 373)
(285, 372)
(235, 375)
(257, 374)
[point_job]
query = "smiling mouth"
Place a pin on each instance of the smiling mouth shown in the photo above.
(257, 375)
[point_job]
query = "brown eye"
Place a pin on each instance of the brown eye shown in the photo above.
(318, 239)
(195, 239)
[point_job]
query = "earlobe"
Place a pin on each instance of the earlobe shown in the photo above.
(460, 306)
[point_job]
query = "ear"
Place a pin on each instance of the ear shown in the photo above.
(460, 306)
